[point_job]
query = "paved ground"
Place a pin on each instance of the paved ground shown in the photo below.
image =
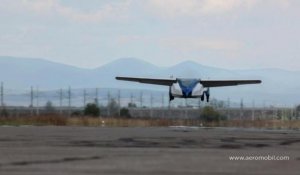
(87, 150)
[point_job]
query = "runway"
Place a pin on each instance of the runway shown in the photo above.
(48, 150)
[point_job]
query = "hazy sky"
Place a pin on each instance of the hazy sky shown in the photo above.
(88, 33)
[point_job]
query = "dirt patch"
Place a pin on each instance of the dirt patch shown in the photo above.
(231, 146)
(256, 145)
(54, 161)
(289, 142)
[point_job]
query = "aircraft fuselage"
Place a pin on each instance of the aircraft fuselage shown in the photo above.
(187, 88)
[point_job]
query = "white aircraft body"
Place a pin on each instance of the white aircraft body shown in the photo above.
(189, 88)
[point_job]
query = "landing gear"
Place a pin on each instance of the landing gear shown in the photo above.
(207, 98)
(202, 97)
(206, 93)
(171, 97)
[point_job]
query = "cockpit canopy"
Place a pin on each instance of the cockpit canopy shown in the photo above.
(187, 82)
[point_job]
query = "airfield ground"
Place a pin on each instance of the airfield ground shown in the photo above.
(48, 150)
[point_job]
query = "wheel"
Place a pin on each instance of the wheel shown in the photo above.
(207, 98)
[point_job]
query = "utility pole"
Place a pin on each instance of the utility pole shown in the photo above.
(96, 99)
(60, 101)
(131, 98)
(141, 99)
(241, 109)
(108, 101)
(274, 111)
(163, 104)
(151, 105)
(162, 100)
(151, 100)
(119, 102)
(31, 100)
(228, 102)
(2, 94)
(264, 110)
(84, 97)
(69, 100)
(2, 98)
(228, 108)
(253, 108)
(292, 113)
(37, 101)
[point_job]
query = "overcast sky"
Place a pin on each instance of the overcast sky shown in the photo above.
(222, 33)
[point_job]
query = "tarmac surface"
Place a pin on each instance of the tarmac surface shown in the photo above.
(29, 150)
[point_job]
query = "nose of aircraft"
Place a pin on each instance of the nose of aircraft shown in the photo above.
(186, 92)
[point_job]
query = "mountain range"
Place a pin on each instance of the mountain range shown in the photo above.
(279, 87)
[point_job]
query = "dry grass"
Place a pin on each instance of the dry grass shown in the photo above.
(34, 120)
(272, 124)
(121, 122)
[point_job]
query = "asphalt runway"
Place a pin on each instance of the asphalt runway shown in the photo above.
(49, 150)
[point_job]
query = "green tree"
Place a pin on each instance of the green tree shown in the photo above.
(298, 111)
(113, 107)
(298, 108)
(91, 109)
(4, 112)
(131, 105)
(124, 112)
(49, 108)
(209, 114)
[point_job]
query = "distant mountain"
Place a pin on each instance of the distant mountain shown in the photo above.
(278, 87)
(26, 72)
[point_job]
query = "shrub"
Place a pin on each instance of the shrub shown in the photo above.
(131, 105)
(124, 112)
(49, 108)
(76, 113)
(209, 114)
(4, 112)
(113, 107)
(92, 109)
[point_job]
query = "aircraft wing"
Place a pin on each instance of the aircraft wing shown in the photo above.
(219, 83)
(165, 82)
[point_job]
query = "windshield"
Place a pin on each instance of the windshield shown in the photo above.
(187, 82)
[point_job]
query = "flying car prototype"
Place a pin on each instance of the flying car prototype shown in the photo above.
(189, 88)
